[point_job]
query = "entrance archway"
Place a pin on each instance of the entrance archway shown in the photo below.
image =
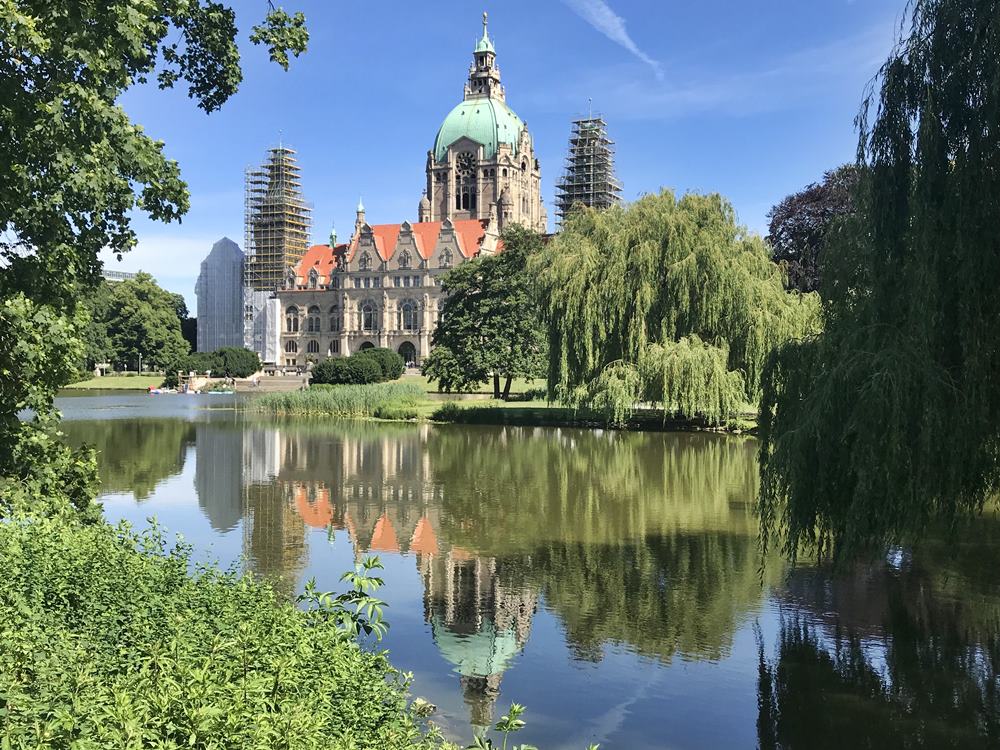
(408, 352)
(367, 345)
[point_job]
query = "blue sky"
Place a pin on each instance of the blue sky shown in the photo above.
(749, 99)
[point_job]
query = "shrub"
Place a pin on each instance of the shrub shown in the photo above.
(347, 371)
(449, 411)
(395, 411)
(107, 640)
(341, 400)
(391, 363)
(237, 362)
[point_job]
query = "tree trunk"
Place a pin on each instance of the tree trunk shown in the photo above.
(506, 388)
(496, 386)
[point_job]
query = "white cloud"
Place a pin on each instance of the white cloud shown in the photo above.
(599, 15)
(174, 260)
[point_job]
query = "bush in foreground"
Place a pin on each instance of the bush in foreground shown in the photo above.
(107, 640)
(343, 400)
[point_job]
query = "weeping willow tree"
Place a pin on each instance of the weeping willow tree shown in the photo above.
(665, 301)
(891, 418)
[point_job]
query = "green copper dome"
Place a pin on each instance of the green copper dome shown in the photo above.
(483, 120)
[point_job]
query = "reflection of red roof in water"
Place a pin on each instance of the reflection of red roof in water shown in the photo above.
(424, 539)
(384, 537)
(317, 514)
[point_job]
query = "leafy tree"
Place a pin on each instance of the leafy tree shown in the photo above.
(238, 362)
(490, 324)
(665, 301)
(797, 232)
(144, 323)
(390, 363)
(891, 417)
(97, 346)
(75, 168)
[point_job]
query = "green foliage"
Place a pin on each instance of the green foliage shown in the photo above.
(143, 321)
(238, 362)
(75, 169)
(341, 400)
(107, 640)
(39, 349)
(891, 417)
(390, 363)
(354, 370)
(664, 301)
(489, 324)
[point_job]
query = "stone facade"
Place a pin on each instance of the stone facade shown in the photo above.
(382, 289)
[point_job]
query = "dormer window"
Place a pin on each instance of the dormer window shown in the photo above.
(365, 264)
(313, 278)
(404, 259)
(447, 258)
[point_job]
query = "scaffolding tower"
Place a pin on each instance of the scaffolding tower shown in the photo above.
(277, 221)
(589, 176)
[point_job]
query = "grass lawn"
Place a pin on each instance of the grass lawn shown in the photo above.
(518, 385)
(119, 383)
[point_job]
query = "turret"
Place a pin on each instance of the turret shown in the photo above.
(424, 210)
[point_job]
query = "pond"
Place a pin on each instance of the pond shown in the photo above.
(610, 581)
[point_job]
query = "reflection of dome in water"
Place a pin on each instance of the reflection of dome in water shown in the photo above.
(480, 659)
(486, 652)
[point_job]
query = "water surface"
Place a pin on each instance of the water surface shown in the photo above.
(609, 581)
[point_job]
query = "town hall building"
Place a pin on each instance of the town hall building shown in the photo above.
(382, 288)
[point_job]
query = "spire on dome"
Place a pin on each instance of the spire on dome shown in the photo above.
(485, 44)
(361, 205)
(333, 235)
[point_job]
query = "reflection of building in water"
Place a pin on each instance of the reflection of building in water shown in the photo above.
(479, 622)
(261, 455)
(381, 490)
(218, 474)
(274, 539)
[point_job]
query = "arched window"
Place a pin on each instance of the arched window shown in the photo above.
(369, 316)
(408, 318)
(313, 278)
(312, 322)
(447, 258)
(334, 348)
(404, 259)
(312, 347)
(291, 347)
(292, 319)
(334, 318)
(365, 264)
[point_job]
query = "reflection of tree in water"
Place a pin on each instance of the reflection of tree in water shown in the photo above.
(634, 538)
(134, 455)
(906, 659)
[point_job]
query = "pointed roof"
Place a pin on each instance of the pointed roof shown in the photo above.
(424, 540)
(384, 537)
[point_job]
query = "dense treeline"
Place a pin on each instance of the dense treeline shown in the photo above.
(665, 301)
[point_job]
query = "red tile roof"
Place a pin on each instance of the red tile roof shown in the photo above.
(470, 233)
